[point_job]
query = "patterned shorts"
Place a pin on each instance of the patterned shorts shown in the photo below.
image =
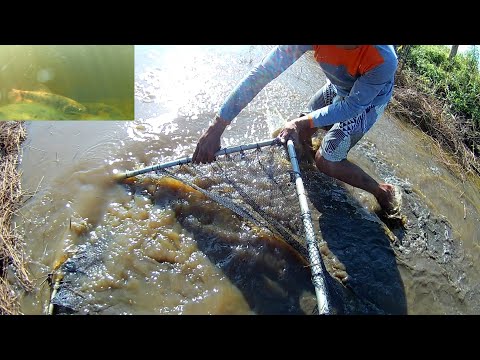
(342, 136)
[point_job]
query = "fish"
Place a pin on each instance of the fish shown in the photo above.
(65, 104)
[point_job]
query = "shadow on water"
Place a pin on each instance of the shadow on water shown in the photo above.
(359, 240)
(272, 282)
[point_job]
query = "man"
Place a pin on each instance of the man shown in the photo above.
(359, 86)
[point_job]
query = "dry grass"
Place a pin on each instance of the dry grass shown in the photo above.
(12, 134)
(432, 117)
(8, 303)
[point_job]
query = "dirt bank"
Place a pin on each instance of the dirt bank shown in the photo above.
(12, 134)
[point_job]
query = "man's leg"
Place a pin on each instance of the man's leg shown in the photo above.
(354, 175)
(331, 158)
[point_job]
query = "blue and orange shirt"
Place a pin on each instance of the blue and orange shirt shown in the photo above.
(362, 76)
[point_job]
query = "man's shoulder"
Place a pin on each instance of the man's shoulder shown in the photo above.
(387, 52)
(383, 58)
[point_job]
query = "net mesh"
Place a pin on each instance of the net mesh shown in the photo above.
(254, 184)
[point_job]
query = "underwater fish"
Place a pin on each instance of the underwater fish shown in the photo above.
(67, 105)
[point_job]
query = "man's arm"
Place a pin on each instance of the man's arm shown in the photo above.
(272, 65)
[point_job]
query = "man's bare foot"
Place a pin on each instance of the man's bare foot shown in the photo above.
(389, 198)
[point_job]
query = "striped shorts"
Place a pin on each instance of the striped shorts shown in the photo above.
(342, 136)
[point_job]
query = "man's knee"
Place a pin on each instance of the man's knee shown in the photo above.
(322, 164)
(327, 167)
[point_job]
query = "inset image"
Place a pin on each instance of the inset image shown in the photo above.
(66, 82)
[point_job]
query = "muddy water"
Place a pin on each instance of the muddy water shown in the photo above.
(163, 249)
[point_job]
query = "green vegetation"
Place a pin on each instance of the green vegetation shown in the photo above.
(442, 97)
(457, 82)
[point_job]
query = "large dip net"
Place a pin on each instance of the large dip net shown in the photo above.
(259, 187)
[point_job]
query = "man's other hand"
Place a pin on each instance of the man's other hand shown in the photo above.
(209, 142)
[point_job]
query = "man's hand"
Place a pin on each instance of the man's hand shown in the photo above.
(209, 142)
(298, 130)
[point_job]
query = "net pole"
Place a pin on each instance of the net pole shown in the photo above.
(186, 160)
(316, 264)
